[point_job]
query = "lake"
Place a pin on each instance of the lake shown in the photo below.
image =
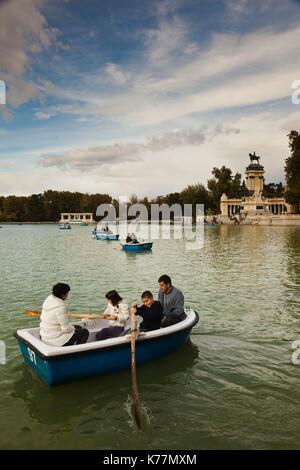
(233, 386)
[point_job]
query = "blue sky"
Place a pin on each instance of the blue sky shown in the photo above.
(144, 96)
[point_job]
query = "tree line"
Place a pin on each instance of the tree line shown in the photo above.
(48, 206)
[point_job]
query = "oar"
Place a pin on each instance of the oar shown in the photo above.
(117, 247)
(92, 316)
(136, 406)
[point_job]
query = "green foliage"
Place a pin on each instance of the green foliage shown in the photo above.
(292, 170)
(225, 183)
(48, 206)
(273, 190)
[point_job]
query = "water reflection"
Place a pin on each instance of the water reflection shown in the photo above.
(109, 394)
(133, 255)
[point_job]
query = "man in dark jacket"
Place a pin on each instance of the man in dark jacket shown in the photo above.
(172, 301)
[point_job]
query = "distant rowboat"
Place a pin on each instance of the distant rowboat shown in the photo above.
(106, 236)
(141, 246)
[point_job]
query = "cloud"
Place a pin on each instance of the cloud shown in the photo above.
(111, 155)
(43, 116)
(5, 165)
(238, 9)
(114, 72)
(24, 32)
(163, 42)
(176, 77)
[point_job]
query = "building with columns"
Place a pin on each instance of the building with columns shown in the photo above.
(76, 218)
(255, 204)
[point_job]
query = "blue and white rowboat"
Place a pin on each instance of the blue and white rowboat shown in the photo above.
(106, 236)
(142, 246)
(61, 364)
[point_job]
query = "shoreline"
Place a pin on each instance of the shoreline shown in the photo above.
(36, 223)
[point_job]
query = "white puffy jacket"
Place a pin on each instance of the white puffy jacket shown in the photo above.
(54, 326)
(122, 312)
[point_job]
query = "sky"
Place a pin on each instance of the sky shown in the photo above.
(144, 97)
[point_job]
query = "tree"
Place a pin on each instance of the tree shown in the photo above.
(34, 208)
(292, 170)
(273, 190)
(14, 208)
(224, 183)
(195, 194)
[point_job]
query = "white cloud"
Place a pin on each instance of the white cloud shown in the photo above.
(169, 167)
(23, 33)
(4, 165)
(237, 9)
(43, 116)
(124, 152)
(234, 70)
(114, 72)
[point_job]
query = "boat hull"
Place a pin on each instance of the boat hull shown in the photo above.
(106, 236)
(96, 362)
(137, 246)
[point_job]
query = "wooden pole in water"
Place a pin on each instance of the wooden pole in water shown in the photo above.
(135, 401)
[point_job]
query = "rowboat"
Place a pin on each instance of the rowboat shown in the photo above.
(106, 236)
(56, 365)
(64, 227)
(141, 246)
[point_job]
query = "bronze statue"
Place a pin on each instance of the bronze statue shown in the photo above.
(254, 157)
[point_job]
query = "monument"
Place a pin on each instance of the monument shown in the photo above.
(254, 206)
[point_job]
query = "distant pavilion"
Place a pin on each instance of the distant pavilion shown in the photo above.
(76, 218)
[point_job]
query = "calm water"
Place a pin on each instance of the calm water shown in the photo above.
(232, 386)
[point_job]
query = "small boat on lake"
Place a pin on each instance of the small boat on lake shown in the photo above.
(62, 364)
(140, 246)
(104, 233)
(64, 227)
(106, 236)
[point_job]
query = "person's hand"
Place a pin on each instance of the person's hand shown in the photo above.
(110, 317)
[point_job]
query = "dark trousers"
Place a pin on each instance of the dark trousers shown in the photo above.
(172, 320)
(79, 337)
(109, 332)
(145, 327)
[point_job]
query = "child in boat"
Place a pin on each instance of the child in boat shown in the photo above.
(117, 313)
(54, 326)
(151, 312)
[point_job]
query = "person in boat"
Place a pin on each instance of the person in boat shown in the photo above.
(172, 301)
(107, 229)
(131, 238)
(151, 312)
(117, 312)
(54, 325)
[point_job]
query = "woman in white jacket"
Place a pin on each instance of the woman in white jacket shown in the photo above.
(117, 313)
(54, 326)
